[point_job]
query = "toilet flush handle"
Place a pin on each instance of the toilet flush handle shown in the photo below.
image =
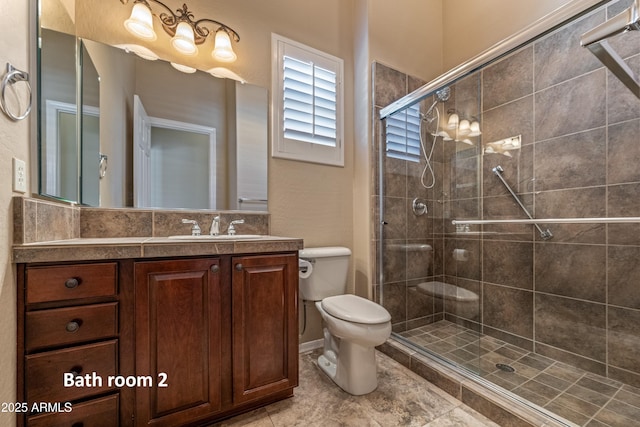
(305, 268)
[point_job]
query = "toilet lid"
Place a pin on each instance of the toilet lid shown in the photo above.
(353, 308)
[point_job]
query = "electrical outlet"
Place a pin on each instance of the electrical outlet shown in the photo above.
(19, 176)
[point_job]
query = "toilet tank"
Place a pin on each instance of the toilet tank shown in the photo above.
(330, 266)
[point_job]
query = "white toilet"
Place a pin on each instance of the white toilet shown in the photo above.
(353, 325)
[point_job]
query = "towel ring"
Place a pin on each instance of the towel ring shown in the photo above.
(13, 76)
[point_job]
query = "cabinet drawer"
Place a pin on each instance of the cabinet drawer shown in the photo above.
(102, 412)
(44, 371)
(70, 282)
(70, 325)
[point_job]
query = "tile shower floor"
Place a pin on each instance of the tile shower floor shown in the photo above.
(581, 397)
(401, 399)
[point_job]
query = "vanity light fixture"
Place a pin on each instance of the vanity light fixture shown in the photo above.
(459, 129)
(183, 68)
(141, 51)
(225, 73)
(186, 32)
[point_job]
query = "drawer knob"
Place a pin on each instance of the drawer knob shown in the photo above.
(76, 371)
(73, 326)
(239, 267)
(71, 283)
(215, 268)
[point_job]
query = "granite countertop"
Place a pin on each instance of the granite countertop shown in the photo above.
(87, 249)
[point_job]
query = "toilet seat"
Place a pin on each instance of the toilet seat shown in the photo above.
(352, 308)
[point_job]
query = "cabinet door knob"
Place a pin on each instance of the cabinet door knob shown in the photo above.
(215, 268)
(73, 326)
(239, 267)
(71, 283)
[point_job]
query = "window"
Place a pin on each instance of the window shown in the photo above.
(307, 103)
(403, 134)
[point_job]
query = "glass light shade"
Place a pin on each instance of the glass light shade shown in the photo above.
(453, 121)
(183, 41)
(223, 51)
(464, 127)
(474, 128)
(183, 68)
(140, 23)
(141, 51)
(225, 73)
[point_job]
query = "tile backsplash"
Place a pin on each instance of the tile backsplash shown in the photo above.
(37, 220)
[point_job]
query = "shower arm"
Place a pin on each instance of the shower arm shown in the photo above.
(595, 41)
(545, 234)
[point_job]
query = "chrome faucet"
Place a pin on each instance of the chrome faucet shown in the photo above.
(215, 226)
(195, 228)
(232, 229)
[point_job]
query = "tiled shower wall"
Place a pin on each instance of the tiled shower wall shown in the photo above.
(576, 297)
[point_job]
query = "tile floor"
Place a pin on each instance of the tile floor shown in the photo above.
(580, 397)
(401, 399)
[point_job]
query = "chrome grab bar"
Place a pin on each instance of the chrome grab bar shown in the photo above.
(611, 220)
(545, 234)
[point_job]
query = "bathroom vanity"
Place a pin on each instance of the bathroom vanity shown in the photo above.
(153, 331)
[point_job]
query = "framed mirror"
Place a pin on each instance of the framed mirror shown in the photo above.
(217, 128)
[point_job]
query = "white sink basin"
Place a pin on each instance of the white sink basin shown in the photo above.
(207, 237)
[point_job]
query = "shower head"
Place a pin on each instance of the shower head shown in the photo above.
(442, 95)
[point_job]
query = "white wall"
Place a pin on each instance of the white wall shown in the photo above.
(14, 142)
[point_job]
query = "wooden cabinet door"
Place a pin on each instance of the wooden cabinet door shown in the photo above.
(265, 325)
(178, 340)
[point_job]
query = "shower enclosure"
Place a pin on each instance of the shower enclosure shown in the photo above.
(509, 218)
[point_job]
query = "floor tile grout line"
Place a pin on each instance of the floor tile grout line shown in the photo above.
(584, 374)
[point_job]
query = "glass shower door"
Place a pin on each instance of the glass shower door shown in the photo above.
(429, 161)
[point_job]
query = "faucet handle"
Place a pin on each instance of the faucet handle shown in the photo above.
(215, 226)
(232, 229)
(195, 228)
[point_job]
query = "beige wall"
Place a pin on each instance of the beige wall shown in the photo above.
(14, 142)
(407, 35)
(471, 27)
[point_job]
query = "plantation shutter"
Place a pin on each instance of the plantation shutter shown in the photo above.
(309, 108)
(403, 134)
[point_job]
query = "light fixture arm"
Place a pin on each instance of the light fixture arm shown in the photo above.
(204, 31)
(171, 20)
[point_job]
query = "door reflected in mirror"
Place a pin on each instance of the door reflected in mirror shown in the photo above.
(174, 162)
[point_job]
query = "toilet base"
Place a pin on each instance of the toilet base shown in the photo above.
(354, 369)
